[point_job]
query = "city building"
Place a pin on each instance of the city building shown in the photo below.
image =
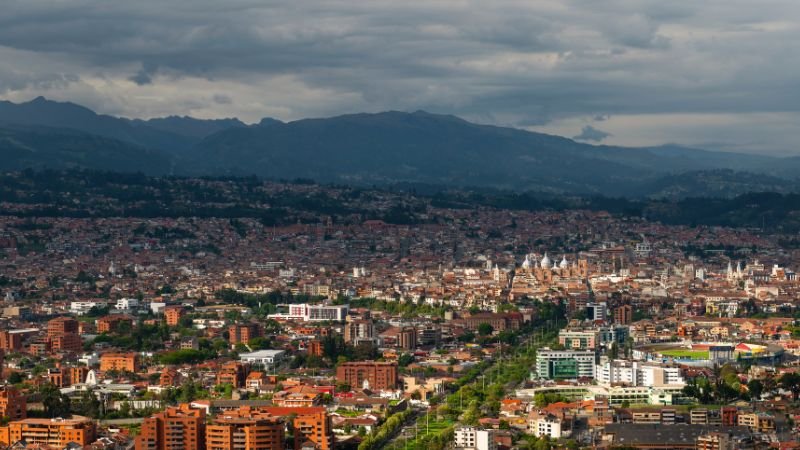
(242, 333)
(565, 364)
(245, 433)
(635, 373)
(267, 359)
(357, 331)
(173, 314)
(128, 362)
(62, 325)
(407, 338)
(471, 438)
(623, 314)
(372, 374)
(176, 428)
(57, 433)
(597, 311)
(312, 313)
(13, 404)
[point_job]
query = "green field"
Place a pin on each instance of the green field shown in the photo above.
(685, 353)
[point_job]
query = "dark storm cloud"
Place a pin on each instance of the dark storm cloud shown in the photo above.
(527, 63)
(590, 133)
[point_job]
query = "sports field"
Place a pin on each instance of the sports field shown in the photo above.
(685, 353)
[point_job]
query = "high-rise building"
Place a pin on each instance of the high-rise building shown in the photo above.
(63, 335)
(66, 342)
(62, 325)
(176, 428)
(10, 341)
(357, 331)
(13, 404)
(596, 311)
(245, 433)
(379, 375)
(407, 338)
(173, 314)
(242, 333)
(623, 314)
(565, 364)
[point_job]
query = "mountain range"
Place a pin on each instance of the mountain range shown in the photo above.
(375, 149)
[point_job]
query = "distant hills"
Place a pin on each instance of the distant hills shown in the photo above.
(384, 148)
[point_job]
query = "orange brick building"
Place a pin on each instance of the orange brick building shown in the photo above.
(169, 377)
(109, 324)
(67, 342)
(310, 424)
(315, 348)
(67, 376)
(241, 334)
(55, 433)
(232, 373)
(119, 361)
(10, 342)
(176, 428)
(245, 433)
(62, 325)
(173, 315)
(380, 375)
(13, 404)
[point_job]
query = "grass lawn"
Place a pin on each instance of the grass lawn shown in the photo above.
(685, 353)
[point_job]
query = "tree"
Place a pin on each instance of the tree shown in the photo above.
(791, 382)
(55, 403)
(405, 359)
(15, 378)
(756, 387)
(613, 352)
(89, 405)
(485, 329)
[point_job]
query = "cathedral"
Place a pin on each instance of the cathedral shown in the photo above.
(545, 271)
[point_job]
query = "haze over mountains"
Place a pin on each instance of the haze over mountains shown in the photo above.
(383, 148)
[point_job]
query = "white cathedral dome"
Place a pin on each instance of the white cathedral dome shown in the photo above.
(563, 264)
(546, 263)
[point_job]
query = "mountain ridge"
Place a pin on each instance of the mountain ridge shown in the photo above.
(385, 148)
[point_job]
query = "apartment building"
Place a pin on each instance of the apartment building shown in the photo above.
(119, 361)
(242, 333)
(173, 314)
(471, 438)
(13, 404)
(245, 433)
(176, 428)
(56, 433)
(378, 375)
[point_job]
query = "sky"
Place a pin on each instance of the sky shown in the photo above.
(714, 74)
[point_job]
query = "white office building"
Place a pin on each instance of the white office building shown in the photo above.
(635, 373)
(127, 304)
(471, 438)
(81, 308)
(545, 425)
(312, 313)
(265, 358)
(564, 364)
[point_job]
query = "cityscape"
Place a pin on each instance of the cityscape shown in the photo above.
(476, 328)
(416, 225)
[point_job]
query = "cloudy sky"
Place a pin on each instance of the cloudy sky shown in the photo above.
(719, 74)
